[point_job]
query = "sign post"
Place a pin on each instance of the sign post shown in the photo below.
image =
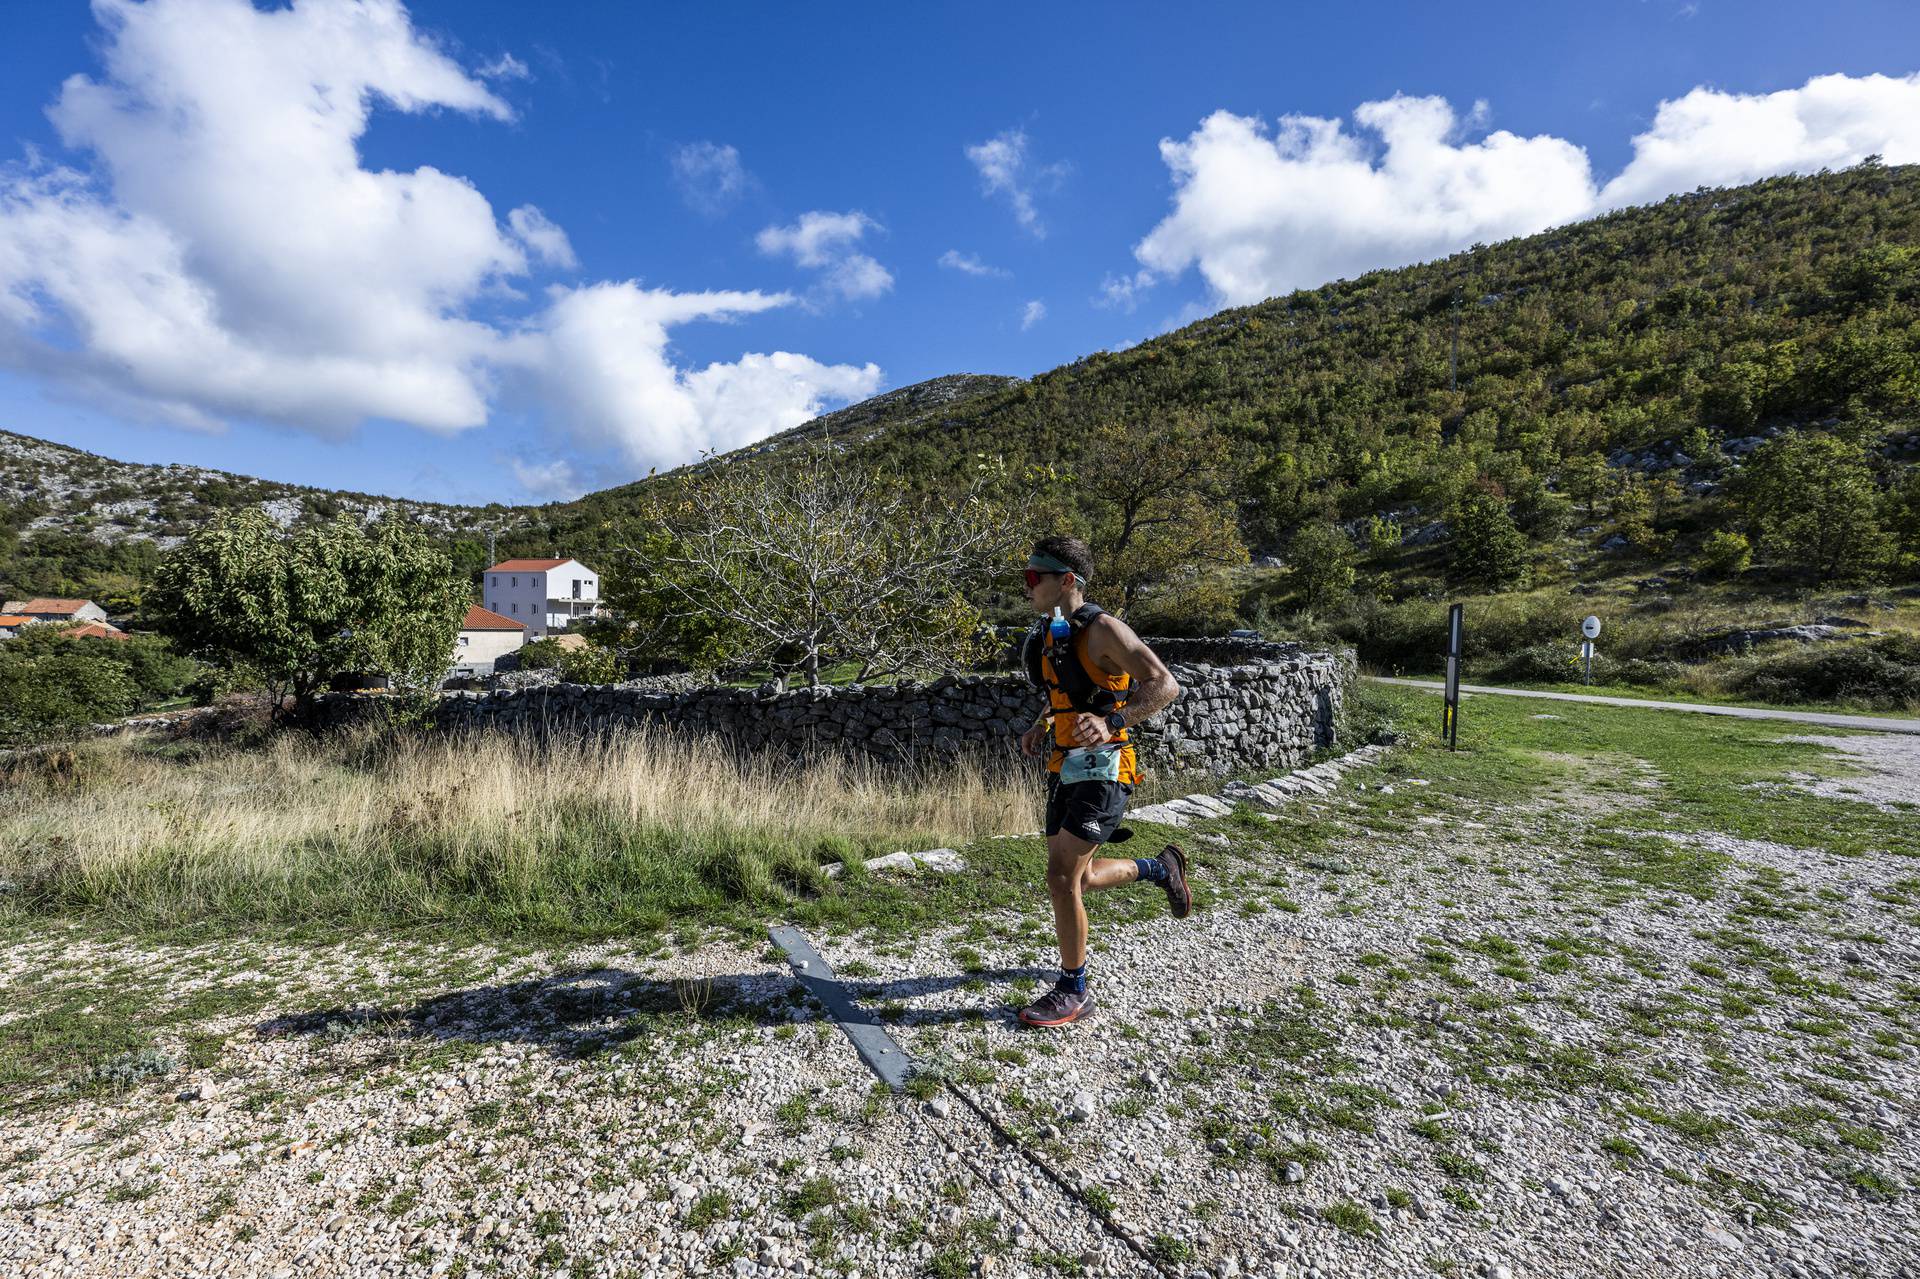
(1450, 717)
(1591, 629)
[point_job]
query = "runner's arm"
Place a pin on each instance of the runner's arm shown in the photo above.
(1114, 647)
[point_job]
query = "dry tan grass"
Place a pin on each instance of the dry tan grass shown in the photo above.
(413, 816)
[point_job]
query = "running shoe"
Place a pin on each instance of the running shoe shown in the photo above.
(1179, 893)
(1057, 1007)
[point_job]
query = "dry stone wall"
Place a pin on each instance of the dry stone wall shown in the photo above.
(1255, 714)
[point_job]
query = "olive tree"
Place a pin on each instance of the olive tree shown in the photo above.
(291, 610)
(807, 560)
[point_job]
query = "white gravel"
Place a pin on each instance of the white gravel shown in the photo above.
(401, 1109)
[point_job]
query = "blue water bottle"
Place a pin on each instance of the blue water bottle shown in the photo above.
(1059, 629)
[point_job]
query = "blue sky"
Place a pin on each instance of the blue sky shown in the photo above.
(568, 242)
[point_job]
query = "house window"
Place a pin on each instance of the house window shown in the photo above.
(463, 641)
(496, 580)
(516, 606)
(576, 588)
(513, 581)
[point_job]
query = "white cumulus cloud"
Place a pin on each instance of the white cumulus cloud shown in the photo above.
(1260, 211)
(1032, 313)
(599, 356)
(548, 242)
(710, 176)
(1006, 168)
(824, 242)
(969, 264)
(1711, 138)
(220, 252)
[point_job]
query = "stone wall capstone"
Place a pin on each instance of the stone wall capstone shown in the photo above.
(1256, 714)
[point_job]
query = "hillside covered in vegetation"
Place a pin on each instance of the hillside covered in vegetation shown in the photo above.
(1656, 394)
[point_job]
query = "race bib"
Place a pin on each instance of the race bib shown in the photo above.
(1090, 766)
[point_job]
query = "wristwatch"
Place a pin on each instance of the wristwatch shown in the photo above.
(1116, 720)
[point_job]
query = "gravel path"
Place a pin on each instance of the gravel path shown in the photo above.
(1828, 719)
(1431, 1039)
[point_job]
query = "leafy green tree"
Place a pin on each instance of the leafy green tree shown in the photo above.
(1486, 547)
(1726, 553)
(1811, 501)
(51, 692)
(155, 670)
(1160, 499)
(1322, 560)
(1586, 478)
(1383, 535)
(293, 610)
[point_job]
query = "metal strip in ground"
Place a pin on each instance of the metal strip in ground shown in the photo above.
(876, 1047)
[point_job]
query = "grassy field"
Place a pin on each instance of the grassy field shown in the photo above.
(629, 838)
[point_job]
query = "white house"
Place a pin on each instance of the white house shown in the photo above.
(542, 595)
(484, 637)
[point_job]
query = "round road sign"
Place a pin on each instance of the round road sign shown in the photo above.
(1591, 627)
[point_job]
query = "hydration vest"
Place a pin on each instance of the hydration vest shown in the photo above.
(1076, 683)
(1075, 686)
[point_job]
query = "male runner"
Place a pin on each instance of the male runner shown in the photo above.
(1100, 680)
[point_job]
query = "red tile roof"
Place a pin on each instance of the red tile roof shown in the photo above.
(97, 630)
(525, 566)
(481, 619)
(54, 606)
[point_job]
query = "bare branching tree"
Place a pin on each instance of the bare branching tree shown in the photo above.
(807, 561)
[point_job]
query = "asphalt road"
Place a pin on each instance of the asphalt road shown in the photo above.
(1870, 723)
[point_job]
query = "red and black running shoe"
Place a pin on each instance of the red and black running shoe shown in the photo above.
(1179, 893)
(1057, 1007)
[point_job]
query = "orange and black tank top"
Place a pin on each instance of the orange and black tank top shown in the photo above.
(1063, 709)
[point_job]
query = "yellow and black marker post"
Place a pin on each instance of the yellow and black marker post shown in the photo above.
(1450, 717)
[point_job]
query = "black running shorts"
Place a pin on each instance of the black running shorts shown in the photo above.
(1090, 810)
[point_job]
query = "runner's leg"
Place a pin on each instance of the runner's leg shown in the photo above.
(1068, 862)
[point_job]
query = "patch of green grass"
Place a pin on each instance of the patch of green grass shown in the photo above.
(714, 1206)
(1353, 1218)
(814, 1193)
(1623, 1149)
(1170, 1251)
(1691, 1124)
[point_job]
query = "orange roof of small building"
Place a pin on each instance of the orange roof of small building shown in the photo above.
(54, 606)
(483, 619)
(9, 619)
(527, 566)
(97, 630)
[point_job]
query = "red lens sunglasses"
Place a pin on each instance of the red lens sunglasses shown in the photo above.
(1034, 575)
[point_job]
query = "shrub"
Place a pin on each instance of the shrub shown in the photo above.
(52, 693)
(1488, 549)
(1726, 554)
(590, 665)
(1322, 565)
(1883, 673)
(541, 654)
(1550, 663)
